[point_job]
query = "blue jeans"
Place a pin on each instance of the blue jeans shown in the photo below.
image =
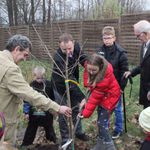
(119, 116)
(103, 124)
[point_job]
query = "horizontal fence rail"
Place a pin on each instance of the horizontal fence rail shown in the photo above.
(87, 33)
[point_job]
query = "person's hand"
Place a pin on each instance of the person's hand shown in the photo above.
(80, 115)
(148, 95)
(26, 116)
(127, 74)
(121, 91)
(65, 111)
(82, 104)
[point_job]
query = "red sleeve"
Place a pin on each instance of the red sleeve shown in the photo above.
(93, 101)
(98, 93)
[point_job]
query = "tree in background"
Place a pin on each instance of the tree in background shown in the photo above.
(45, 11)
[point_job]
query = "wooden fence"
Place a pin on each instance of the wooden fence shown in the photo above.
(87, 33)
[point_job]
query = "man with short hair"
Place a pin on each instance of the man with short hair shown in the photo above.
(142, 32)
(115, 55)
(68, 48)
(13, 87)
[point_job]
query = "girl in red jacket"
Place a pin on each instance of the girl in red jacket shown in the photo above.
(105, 92)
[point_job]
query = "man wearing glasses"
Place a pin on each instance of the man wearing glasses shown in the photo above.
(142, 32)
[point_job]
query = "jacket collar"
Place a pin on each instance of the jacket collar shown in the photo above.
(8, 55)
(146, 55)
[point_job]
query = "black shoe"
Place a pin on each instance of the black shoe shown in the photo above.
(82, 137)
(116, 135)
(53, 139)
(29, 147)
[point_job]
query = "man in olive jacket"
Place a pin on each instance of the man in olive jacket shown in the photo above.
(14, 89)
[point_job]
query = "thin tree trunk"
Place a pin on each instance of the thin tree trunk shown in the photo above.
(79, 10)
(49, 12)
(71, 136)
(15, 10)
(32, 11)
(25, 14)
(10, 12)
(44, 12)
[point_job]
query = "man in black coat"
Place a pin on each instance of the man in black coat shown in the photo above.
(68, 49)
(142, 32)
(115, 55)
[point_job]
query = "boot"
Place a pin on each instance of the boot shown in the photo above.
(99, 145)
(110, 146)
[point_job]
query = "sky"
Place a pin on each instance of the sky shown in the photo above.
(147, 5)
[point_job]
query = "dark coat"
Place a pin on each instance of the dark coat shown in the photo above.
(45, 88)
(116, 55)
(146, 144)
(58, 81)
(144, 70)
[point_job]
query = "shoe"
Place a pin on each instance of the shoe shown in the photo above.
(27, 147)
(139, 142)
(116, 135)
(53, 139)
(99, 145)
(82, 137)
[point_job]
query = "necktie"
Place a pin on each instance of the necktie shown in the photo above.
(144, 50)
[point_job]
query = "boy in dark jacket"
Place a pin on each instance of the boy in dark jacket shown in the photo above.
(36, 116)
(115, 55)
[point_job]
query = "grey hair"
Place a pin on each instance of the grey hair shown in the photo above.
(39, 70)
(65, 37)
(18, 40)
(142, 26)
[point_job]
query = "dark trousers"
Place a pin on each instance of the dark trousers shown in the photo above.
(145, 145)
(103, 124)
(34, 123)
(63, 123)
(64, 131)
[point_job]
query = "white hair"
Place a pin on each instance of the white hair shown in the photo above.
(39, 70)
(142, 26)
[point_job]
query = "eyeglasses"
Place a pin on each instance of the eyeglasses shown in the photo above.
(108, 38)
(139, 35)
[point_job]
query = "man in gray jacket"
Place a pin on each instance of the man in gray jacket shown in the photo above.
(14, 88)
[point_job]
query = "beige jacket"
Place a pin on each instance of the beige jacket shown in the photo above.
(13, 88)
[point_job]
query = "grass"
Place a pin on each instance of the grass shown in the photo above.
(127, 141)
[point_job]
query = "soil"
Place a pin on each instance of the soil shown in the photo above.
(40, 142)
(53, 147)
(125, 142)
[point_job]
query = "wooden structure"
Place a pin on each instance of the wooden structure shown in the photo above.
(87, 33)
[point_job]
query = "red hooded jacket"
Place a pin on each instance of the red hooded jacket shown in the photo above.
(106, 93)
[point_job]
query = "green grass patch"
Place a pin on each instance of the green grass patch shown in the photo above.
(89, 125)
